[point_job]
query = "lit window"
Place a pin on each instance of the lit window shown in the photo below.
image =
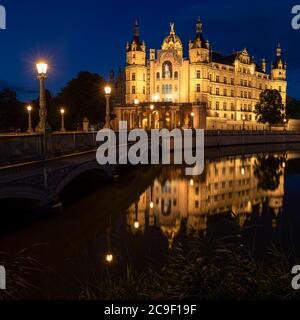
(198, 74)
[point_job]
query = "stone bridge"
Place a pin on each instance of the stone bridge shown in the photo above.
(43, 180)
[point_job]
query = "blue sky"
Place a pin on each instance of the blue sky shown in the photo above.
(91, 35)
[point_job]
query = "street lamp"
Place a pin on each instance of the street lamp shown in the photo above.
(193, 116)
(156, 98)
(284, 123)
(62, 112)
(136, 103)
(107, 90)
(244, 119)
(43, 125)
(30, 130)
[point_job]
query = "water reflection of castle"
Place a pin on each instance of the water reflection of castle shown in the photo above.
(227, 185)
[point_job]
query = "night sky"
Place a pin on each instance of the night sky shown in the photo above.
(91, 35)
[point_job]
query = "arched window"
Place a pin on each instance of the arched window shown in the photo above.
(157, 75)
(176, 74)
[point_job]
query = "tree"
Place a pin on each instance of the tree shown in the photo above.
(270, 108)
(293, 108)
(82, 97)
(12, 112)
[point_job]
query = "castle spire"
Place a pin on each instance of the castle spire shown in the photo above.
(199, 26)
(136, 29)
(278, 50)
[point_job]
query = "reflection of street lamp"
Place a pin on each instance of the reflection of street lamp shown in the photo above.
(29, 109)
(107, 90)
(136, 103)
(62, 113)
(152, 107)
(109, 258)
(244, 119)
(192, 116)
(192, 182)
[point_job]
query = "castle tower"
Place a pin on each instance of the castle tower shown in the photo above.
(278, 66)
(199, 48)
(278, 74)
(136, 69)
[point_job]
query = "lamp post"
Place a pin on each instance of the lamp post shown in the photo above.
(192, 117)
(107, 90)
(136, 103)
(150, 117)
(284, 124)
(30, 130)
(62, 113)
(43, 125)
(244, 119)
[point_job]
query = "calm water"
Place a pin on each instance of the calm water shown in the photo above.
(137, 219)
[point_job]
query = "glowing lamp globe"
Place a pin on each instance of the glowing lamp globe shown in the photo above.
(107, 90)
(42, 68)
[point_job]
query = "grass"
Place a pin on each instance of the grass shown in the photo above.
(203, 271)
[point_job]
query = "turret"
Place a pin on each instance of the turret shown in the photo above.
(278, 67)
(263, 65)
(199, 48)
(136, 69)
(278, 74)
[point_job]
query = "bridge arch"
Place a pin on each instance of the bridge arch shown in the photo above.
(84, 168)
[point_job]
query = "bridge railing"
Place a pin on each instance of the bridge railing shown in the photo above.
(16, 148)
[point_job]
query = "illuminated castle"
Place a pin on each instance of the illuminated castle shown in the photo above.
(206, 90)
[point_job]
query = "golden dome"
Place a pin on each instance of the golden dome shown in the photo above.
(172, 41)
